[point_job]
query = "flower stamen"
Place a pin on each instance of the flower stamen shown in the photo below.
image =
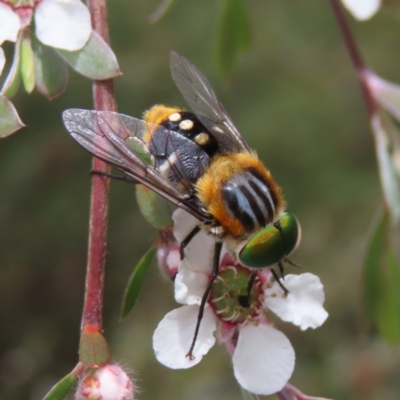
(232, 298)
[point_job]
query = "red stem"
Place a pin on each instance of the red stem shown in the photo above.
(355, 57)
(283, 395)
(103, 97)
(291, 392)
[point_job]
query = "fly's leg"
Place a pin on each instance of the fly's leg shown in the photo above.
(245, 300)
(281, 270)
(187, 240)
(125, 178)
(217, 254)
(285, 291)
(278, 226)
(292, 263)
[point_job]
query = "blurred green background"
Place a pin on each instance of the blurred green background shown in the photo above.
(295, 98)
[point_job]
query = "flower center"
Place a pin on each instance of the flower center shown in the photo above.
(230, 298)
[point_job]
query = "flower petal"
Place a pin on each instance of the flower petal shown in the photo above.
(362, 9)
(303, 305)
(174, 334)
(64, 24)
(10, 24)
(190, 285)
(184, 223)
(200, 250)
(2, 60)
(109, 382)
(263, 361)
(225, 331)
(173, 259)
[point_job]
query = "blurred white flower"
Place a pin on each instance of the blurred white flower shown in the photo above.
(303, 305)
(168, 257)
(362, 9)
(63, 24)
(10, 25)
(2, 60)
(110, 382)
(263, 358)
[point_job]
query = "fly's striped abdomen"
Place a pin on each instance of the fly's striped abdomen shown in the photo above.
(248, 198)
(240, 194)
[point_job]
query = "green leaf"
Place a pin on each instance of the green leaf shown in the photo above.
(136, 281)
(93, 349)
(9, 118)
(389, 314)
(234, 35)
(95, 60)
(387, 169)
(27, 64)
(139, 149)
(154, 207)
(61, 389)
(394, 276)
(13, 79)
(372, 281)
(51, 70)
(382, 282)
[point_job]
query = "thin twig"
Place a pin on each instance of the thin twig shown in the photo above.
(355, 57)
(290, 392)
(283, 395)
(103, 98)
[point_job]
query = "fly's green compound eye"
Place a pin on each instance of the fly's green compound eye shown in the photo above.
(272, 244)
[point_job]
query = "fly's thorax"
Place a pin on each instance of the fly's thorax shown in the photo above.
(159, 113)
(240, 193)
(183, 123)
(180, 145)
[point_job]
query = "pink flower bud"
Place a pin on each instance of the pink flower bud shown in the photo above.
(168, 253)
(110, 382)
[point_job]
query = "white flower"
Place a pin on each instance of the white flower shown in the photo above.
(263, 358)
(64, 24)
(362, 9)
(110, 382)
(10, 24)
(2, 60)
(303, 305)
(168, 257)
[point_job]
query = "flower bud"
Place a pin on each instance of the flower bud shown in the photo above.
(110, 382)
(168, 255)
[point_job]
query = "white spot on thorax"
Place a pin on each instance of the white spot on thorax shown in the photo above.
(202, 138)
(186, 125)
(174, 117)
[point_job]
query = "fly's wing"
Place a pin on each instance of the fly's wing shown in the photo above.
(119, 140)
(197, 91)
